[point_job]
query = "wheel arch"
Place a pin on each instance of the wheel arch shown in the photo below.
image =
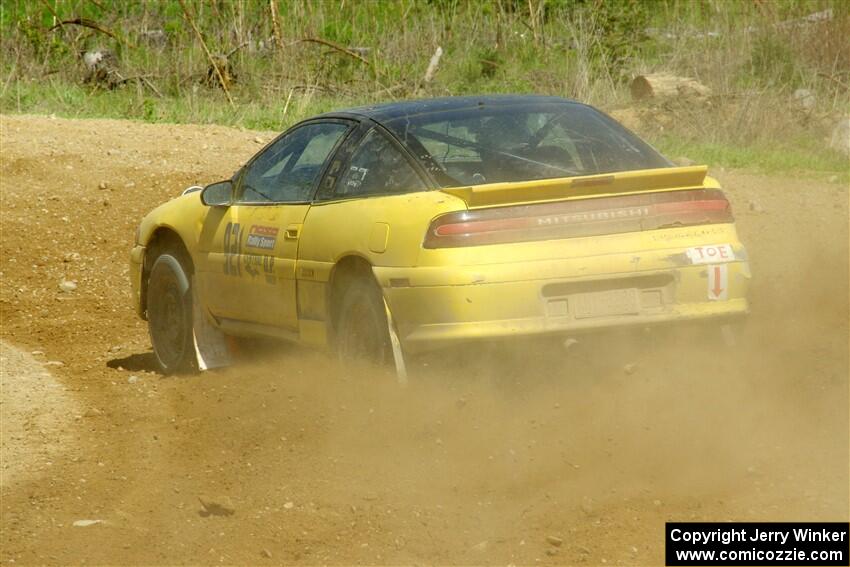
(163, 238)
(347, 269)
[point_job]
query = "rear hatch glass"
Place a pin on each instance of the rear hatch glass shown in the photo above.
(493, 143)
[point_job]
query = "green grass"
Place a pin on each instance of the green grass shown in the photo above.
(801, 159)
(583, 49)
(804, 156)
(76, 101)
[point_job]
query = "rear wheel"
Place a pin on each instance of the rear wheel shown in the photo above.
(169, 306)
(362, 332)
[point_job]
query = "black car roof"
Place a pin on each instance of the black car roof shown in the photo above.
(390, 110)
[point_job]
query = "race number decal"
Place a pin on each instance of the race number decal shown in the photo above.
(718, 282)
(261, 237)
(232, 244)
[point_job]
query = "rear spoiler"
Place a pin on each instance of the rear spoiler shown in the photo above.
(563, 188)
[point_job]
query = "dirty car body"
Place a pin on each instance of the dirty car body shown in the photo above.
(474, 218)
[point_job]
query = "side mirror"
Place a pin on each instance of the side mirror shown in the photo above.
(218, 194)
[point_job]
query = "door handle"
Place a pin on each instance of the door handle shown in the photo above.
(292, 232)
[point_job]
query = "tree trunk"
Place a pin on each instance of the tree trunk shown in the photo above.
(661, 85)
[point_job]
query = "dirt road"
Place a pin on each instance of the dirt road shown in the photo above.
(291, 458)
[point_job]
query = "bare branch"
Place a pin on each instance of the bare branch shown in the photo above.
(337, 47)
(91, 24)
(278, 42)
(235, 49)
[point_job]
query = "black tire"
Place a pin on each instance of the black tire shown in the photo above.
(362, 333)
(169, 306)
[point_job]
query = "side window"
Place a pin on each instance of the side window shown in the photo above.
(377, 167)
(288, 170)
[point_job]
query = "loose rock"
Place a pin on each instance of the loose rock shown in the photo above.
(587, 506)
(481, 547)
(755, 207)
(840, 140)
(804, 99)
(86, 523)
(212, 508)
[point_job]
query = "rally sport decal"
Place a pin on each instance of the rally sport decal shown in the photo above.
(259, 237)
(262, 237)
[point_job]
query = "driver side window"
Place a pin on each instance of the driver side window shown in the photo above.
(287, 171)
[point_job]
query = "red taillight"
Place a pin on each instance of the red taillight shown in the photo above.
(585, 217)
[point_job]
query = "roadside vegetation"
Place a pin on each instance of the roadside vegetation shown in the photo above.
(777, 73)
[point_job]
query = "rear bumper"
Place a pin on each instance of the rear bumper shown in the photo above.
(426, 337)
(428, 317)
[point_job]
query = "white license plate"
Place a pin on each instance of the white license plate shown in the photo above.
(713, 254)
(605, 303)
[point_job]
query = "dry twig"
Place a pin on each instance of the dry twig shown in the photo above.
(53, 13)
(433, 64)
(337, 47)
(207, 51)
(835, 80)
(235, 49)
(144, 80)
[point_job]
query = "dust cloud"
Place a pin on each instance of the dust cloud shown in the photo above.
(492, 448)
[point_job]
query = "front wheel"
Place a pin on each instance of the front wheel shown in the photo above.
(169, 307)
(362, 332)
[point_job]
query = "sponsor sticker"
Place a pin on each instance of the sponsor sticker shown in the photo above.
(262, 237)
(718, 282)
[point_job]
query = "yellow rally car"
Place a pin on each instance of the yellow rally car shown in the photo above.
(392, 229)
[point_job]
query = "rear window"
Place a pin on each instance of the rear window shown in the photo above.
(492, 144)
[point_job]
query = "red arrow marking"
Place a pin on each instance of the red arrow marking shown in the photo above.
(717, 290)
